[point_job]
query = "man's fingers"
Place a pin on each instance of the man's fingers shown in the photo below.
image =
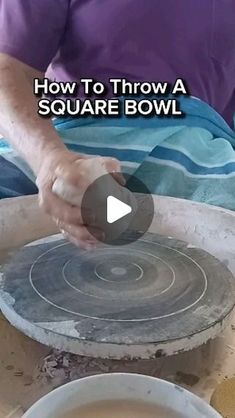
(75, 174)
(83, 172)
(81, 233)
(119, 178)
(112, 165)
(80, 236)
(81, 244)
(61, 210)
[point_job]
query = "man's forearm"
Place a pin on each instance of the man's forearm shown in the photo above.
(32, 136)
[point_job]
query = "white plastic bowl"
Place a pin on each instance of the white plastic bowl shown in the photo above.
(116, 386)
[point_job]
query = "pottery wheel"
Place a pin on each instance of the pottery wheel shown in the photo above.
(156, 296)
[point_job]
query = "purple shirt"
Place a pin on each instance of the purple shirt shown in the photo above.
(138, 39)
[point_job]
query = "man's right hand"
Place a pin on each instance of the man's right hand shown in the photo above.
(75, 171)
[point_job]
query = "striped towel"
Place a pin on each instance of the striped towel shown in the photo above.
(191, 157)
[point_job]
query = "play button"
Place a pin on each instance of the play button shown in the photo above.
(121, 214)
(116, 209)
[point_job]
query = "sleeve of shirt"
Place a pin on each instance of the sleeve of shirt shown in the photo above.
(32, 30)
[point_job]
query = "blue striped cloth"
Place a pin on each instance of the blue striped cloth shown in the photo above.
(191, 157)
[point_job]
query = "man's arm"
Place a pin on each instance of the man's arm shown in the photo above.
(31, 33)
(32, 136)
(38, 143)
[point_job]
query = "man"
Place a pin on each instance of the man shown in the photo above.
(102, 39)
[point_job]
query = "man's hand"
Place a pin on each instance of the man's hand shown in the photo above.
(76, 172)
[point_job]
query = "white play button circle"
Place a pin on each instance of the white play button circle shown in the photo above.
(122, 213)
(116, 209)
